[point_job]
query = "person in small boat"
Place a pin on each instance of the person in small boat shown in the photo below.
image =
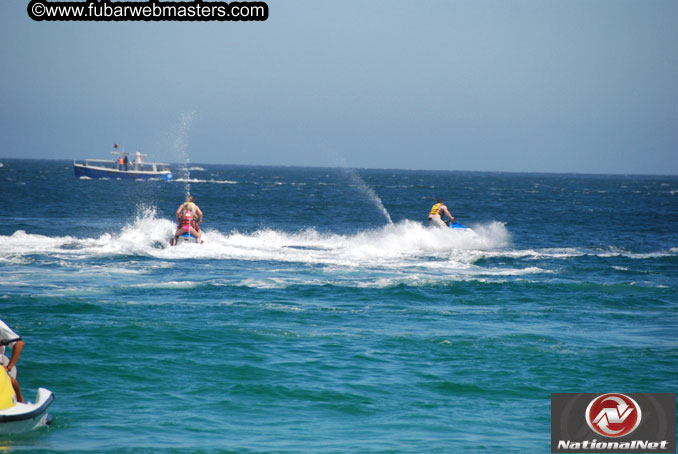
(120, 162)
(189, 216)
(126, 163)
(9, 338)
(435, 216)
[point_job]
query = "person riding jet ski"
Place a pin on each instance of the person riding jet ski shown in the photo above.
(435, 216)
(189, 216)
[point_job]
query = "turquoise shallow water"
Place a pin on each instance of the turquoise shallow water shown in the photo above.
(309, 323)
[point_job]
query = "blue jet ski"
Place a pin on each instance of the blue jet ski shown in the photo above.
(185, 238)
(457, 226)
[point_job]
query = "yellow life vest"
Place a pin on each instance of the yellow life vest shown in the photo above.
(7, 396)
(435, 209)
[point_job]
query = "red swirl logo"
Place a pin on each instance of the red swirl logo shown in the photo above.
(613, 415)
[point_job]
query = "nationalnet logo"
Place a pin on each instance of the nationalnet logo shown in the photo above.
(613, 415)
(613, 422)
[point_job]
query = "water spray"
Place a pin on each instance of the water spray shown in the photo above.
(360, 183)
(181, 147)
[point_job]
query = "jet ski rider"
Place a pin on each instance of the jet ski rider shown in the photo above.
(435, 216)
(189, 215)
(13, 340)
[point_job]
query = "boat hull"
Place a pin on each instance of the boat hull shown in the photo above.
(26, 417)
(102, 172)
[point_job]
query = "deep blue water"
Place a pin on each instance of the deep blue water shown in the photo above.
(309, 323)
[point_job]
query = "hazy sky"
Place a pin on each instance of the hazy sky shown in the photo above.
(552, 86)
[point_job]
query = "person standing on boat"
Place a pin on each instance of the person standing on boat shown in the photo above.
(126, 163)
(9, 338)
(189, 215)
(120, 162)
(435, 216)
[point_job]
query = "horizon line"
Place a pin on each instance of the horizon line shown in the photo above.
(533, 172)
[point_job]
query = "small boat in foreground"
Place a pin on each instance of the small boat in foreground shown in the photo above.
(17, 417)
(121, 168)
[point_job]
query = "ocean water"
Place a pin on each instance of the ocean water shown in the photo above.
(321, 315)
